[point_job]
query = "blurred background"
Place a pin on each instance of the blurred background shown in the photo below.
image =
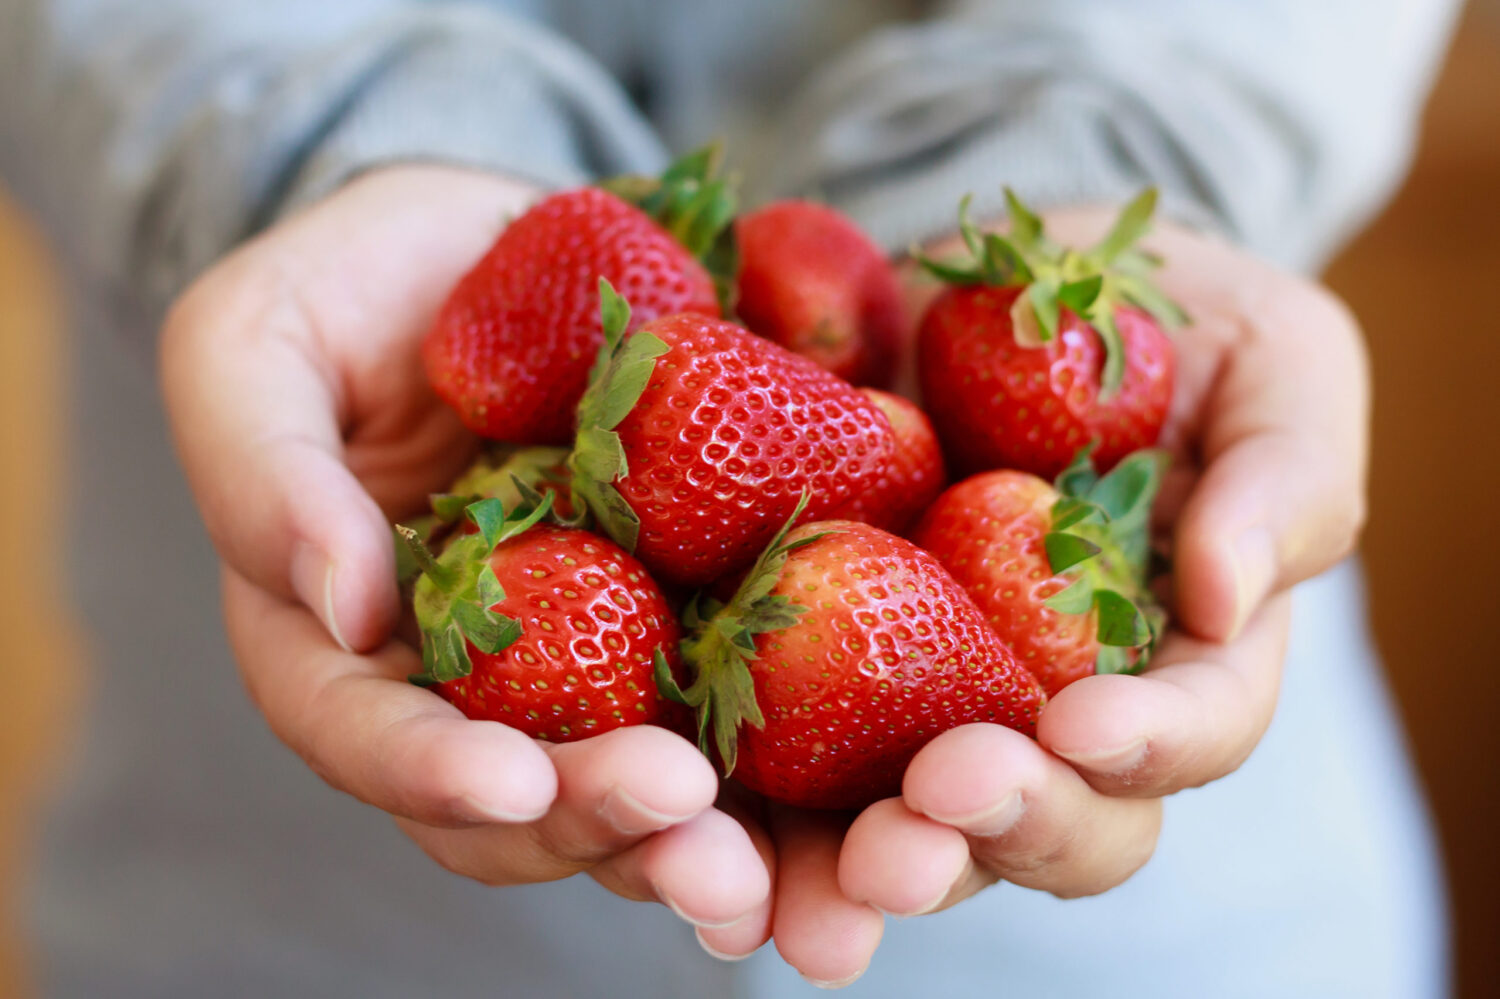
(1419, 278)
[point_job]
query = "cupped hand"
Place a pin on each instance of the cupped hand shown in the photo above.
(1268, 433)
(303, 419)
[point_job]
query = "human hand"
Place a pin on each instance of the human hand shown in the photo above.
(1268, 434)
(303, 419)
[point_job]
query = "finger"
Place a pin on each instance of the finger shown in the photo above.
(905, 864)
(744, 936)
(1192, 717)
(709, 871)
(255, 416)
(825, 936)
(1284, 447)
(361, 727)
(1027, 817)
(614, 791)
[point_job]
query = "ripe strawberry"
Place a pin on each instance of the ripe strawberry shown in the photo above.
(913, 477)
(511, 348)
(810, 280)
(844, 652)
(551, 630)
(1038, 350)
(1060, 573)
(697, 437)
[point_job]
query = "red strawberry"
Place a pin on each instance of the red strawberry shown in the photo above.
(810, 280)
(1058, 572)
(512, 346)
(550, 630)
(914, 476)
(844, 652)
(696, 438)
(1039, 351)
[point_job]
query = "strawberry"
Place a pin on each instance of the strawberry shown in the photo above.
(511, 347)
(1038, 350)
(913, 477)
(551, 630)
(697, 437)
(810, 280)
(845, 650)
(1059, 572)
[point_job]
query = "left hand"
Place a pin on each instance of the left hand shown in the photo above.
(1268, 432)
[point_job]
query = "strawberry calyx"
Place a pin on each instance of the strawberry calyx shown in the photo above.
(620, 374)
(697, 206)
(457, 591)
(513, 474)
(1100, 539)
(720, 645)
(1093, 283)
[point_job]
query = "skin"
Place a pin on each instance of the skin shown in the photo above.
(304, 423)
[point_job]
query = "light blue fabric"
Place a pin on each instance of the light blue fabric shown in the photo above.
(191, 855)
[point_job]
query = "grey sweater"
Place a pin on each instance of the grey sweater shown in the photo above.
(153, 136)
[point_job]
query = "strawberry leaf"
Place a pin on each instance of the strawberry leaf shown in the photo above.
(1079, 477)
(1129, 487)
(949, 273)
(1113, 659)
(720, 647)
(1041, 295)
(620, 375)
(489, 516)
(1064, 551)
(1120, 622)
(1079, 295)
(666, 683)
(1103, 321)
(1069, 512)
(1133, 223)
(628, 376)
(1004, 262)
(1025, 226)
(448, 507)
(1075, 599)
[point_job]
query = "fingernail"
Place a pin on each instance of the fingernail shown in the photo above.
(1110, 762)
(840, 983)
(629, 816)
(671, 903)
(482, 811)
(1254, 564)
(997, 820)
(312, 579)
(720, 955)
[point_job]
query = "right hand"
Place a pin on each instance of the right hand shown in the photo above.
(303, 419)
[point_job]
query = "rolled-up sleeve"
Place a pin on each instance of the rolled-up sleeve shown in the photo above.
(152, 137)
(1282, 123)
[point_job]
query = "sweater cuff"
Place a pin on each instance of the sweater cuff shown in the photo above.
(480, 90)
(1061, 154)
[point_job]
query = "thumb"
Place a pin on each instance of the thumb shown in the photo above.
(254, 410)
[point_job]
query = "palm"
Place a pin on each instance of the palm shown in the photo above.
(364, 288)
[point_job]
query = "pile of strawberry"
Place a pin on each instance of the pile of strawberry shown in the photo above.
(699, 521)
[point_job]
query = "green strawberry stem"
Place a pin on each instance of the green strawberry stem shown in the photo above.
(619, 376)
(1100, 538)
(721, 645)
(697, 206)
(457, 591)
(1093, 283)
